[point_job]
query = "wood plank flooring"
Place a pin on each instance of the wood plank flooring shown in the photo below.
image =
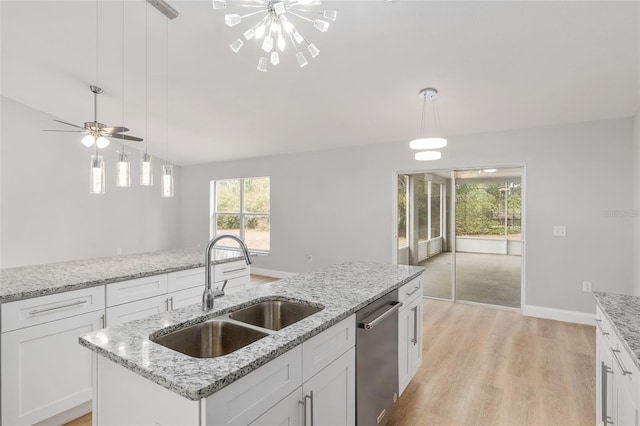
(485, 366)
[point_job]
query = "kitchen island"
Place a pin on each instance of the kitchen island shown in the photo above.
(46, 375)
(163, 383)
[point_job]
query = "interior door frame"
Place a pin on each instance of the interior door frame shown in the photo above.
(452, 170)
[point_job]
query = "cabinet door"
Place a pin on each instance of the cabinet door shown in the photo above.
(415, 340)
(137, 310)
(187, 297)
(287, 412)
(405, 325)
(331, 394)
(625, 408)
(604, 383)
(45, 371)
(235, 285)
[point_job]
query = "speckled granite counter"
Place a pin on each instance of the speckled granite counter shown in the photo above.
(39, 280)
(623, 312)
(341, 289)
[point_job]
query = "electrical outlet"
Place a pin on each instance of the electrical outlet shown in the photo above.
(586, 286)
(118, 250)
(559, 231)
(310, 257)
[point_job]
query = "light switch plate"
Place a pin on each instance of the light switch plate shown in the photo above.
(559, 231)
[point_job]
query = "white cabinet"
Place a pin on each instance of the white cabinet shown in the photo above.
(44, 370)
(272, 394)
(409, 332)
(142, 297)
(617, 379)
(237, 274)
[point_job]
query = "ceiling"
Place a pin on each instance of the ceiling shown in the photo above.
(496, 65)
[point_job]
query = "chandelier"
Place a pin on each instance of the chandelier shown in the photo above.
(273, 23)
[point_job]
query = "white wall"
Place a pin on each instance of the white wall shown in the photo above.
(636, 198)
(47, 214)
(337, 204)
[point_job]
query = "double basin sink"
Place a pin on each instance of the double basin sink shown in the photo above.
(218, 337)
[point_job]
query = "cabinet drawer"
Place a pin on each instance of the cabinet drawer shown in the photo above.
(137, 310)
(326, 347)
(603, 328)
(38, 310)
(244, 400)
(182, 280)
(186, 297)
(226, 271)
(625, 369)
(236, 284)
(131, 290)
(411, 290)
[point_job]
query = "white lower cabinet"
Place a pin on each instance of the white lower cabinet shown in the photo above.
(409, 332)
(136, 310)
(45, 371)
(273, 394)
(617, 379)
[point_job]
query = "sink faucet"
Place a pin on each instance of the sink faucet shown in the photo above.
(209, 294)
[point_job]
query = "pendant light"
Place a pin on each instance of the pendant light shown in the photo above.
(167, 168)
(96, 161)
(96, 174)
(146, 167)
(123, 166)
(428, 145)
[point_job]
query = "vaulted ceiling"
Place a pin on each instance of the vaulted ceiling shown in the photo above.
(497, 66)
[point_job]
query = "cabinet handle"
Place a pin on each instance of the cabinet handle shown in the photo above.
(414, 290)
(604, 371)
(415, 326)
(103, 320)
(68, 305)
(599, 324)
(171, 301)
(310, 396)
(619, 362)
(234, 270)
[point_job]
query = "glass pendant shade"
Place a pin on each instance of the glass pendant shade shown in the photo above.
(267, 44)
(123, 171)
(302, 61)
(236, 45)
(96, 175)
(102, 142)
(428, 143)
(167, 180)
(219, 4)
(321, 25)
(313, 50)
(428, 155)
(88, 140)
(330, 14)
(275, 58)
(146, 170)
(262, 64)
(231, 20)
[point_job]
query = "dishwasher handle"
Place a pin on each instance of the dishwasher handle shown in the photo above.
(389, 310)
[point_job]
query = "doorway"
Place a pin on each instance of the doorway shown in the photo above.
(465, 228)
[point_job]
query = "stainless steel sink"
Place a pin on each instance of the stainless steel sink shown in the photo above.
(274, 314)
(210, 339)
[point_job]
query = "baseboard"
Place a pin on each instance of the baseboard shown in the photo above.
(272, 273)
(559, 315)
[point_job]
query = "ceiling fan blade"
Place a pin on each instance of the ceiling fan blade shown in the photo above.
(123, 137)
(65, 131)
(119, 129)
(68, 124)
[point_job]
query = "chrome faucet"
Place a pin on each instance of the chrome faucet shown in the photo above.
(209, 294)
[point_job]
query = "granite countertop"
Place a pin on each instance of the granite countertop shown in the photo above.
(38, 280)
(623, 312)
(342, 290)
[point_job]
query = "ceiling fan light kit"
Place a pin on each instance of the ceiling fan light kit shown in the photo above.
(428, 145)
(272, 19)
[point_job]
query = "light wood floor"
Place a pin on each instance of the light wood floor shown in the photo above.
(484, 366)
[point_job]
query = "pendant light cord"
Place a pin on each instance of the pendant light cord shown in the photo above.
(146, 71)
(167, 100)
(424, 109)
(123, 73)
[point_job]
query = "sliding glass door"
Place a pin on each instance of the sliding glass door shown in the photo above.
(464, 227)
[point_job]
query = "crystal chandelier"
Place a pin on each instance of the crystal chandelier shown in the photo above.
(274, 26)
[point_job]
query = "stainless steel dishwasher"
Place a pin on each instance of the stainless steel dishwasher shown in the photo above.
(377, 361)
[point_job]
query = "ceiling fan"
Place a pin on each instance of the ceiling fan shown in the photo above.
(97, 132)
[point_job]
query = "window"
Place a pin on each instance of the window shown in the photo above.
(436, 208)
(242, 207)
(403, 223)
